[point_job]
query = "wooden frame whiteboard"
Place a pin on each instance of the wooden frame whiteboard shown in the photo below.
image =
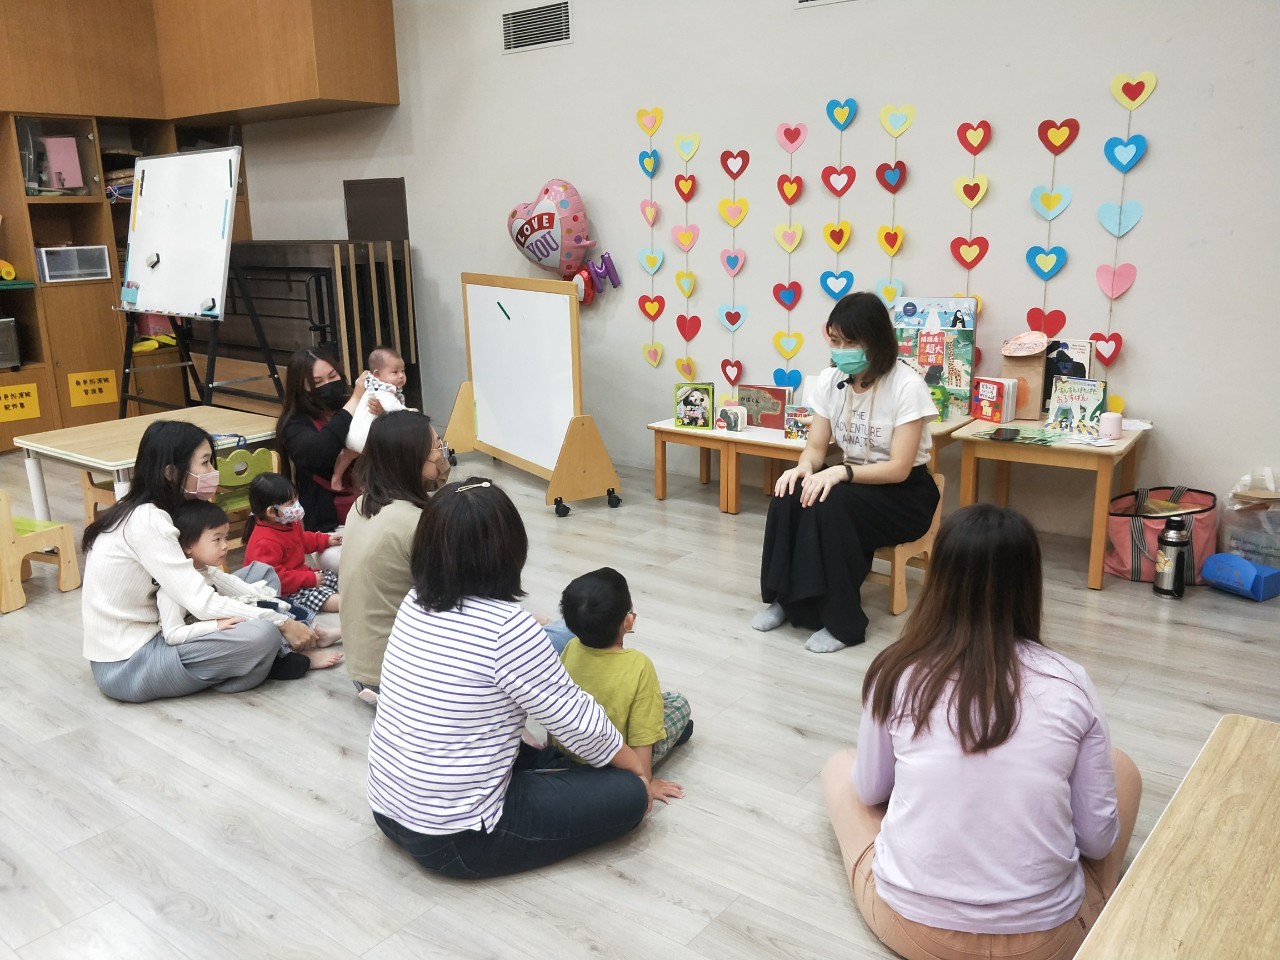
(182, 215)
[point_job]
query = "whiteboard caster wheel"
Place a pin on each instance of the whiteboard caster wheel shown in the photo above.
(562, 508)
(614, 499)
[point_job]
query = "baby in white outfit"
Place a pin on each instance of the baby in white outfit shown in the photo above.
(385, 381)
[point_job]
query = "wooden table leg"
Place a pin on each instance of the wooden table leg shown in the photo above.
(1101, 507)
(730, 487)
(968, 475)
(1129, 470)
(1002, 482)
(659, 467)
(704, 465)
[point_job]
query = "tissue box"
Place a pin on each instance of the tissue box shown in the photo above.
(1226, 571)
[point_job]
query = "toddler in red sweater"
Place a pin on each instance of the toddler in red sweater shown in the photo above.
(278, 539)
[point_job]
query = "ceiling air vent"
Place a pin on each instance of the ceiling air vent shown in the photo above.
(546, 26)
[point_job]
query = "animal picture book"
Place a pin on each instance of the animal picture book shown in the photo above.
(798, 421)
(940, 313)
(766, 406)
(694, 404)
(1075, 405)
(944, 359)
(1066, 358)
(995, 399)
(731, 417)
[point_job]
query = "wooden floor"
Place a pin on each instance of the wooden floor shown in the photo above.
(236, 826)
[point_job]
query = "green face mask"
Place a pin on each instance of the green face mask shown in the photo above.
(850, 362)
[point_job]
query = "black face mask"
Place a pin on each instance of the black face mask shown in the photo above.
(332, 395)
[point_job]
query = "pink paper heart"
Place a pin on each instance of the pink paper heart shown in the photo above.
(733, 261)
(1114, 281)
(649, 210)
(791, 137)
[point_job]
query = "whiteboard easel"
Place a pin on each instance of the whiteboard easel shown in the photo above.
(522, 400)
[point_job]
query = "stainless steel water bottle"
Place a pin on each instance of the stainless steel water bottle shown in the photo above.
(1172, 547)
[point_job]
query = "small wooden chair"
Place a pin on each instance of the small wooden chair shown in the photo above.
(905, 555)
(235, 472)
(98, 494)
(22, 541)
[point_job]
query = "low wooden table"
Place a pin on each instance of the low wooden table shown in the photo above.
(1205, 882)
(112, 447)
(1101, 460)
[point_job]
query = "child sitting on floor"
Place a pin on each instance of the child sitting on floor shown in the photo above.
(384, 382)
(202, 534)
(597, 608)
(276, 538)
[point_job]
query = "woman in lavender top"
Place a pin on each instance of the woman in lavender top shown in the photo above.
(984, 812)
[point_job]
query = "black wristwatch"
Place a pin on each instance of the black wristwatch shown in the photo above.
(848, 472)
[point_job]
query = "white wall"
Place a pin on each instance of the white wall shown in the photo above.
(477, 132)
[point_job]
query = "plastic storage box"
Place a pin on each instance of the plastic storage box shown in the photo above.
(64, 264)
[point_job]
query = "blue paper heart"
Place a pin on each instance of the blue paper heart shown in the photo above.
(787, 295)
(1060, 261)
(895, 285)
(686, 147)
(732, 261)
(897, 120)
(834, 105)
(787, 378)
(649, 155)
(1125, 154)
(723, 313)
(836, 285)
(1037, 201)
(1119, 219)
(657, 261)
(892, 176)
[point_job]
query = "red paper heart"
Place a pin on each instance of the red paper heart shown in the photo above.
(971, 190)
(733, 318)
(651, 307)
(793, 288)
(979, 242)
(797, 185)
(977, 356)
(848, 175)
(884, 169)
(732, 370)
(1071, 125)
(688, 327)
(686, 183)
(1133, 90)
(1050, 324)
(982, 127)
(835, 236)
(1113, 340)
(734, 164)
(891, 238)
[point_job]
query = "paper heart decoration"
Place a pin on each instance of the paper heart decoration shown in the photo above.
(977, 355)
(788, 344)
(1050, 323)
(733, 261)
(1049, 203)
(732, 316)
(969, 251)
(552, 230)
(788, 295)
(888, 290)
(788, 236)
(841, 113)
(651, 260)
(834, 284)
(652, 353)
(684, 237)
(1046, 264)
(791, 137)
(1125, 154)
(1119, 218)
(651, 307)
(892, 176)
(685, 367)
(978, 310)
(1114, 281)
(733, 211)
(687, 145)
(1056, 137)
(838, 179)
(649, 210)
(649, 119)
(895, 120)
(837, 235)
(787, 378)
(649, 160)
(971, 191)
(732, 370)
(734, 164)
(890, 239)
(1115, 403)
(1132, 92)
(686, 183)
(685, 281)
(687, 326)
(789, 188)
(974, 137)
(1106, 347)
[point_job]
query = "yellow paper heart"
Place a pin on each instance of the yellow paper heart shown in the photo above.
(973, 296)
(1115, 403)
(1045, 261)
(685, 280)
(788, 344)
(684, 238)
(840, 115)
(651, 261)
(650, 120)
(1118, 83)
(837, 235)
(652, 353)
(1058, 135)
(687, 145)
(890, 239)
(902, 116)
(888, 294)
(734, 211)
(969, 251)
(651, 307)
(685, 367)
(971, 191)
(789, 188)
(1050, 200)
(788, 236)
(974, 136)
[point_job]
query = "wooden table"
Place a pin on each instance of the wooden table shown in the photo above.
(1101, 460)
(1207, 881)
(767, 442)
(112, 447)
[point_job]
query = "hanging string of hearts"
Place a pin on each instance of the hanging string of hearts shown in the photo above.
(733, 210)
(651, 304)
(971, 249)
(791, 137)
(893, 177)
(838, 178)
(685, 235)
(1047, 261)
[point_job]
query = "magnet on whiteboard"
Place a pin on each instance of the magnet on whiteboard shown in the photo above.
(152, 260)
(206, 306)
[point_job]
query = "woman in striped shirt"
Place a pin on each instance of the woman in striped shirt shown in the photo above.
(449, 779)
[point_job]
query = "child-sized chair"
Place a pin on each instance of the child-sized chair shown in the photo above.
(235, 472)
(98, 494)
(22, 541)
(915, 554)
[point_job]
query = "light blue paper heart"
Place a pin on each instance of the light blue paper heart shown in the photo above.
(896, 286)
(834, 105)
(726, 309)
(1059, 263)
(1119, 219)
(836, 285)
(787, 378)
(686, 147)
(1037, 201)
(1125, 154)
(646, 155)
(657, 264)
(897, 120)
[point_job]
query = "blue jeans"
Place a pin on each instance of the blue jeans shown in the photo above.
(546, 817)
(559, 634)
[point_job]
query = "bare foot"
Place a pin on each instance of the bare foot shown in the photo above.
(327, 636)
(323, 659)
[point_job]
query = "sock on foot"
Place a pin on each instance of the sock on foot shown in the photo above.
(823, 642)
(772, 616)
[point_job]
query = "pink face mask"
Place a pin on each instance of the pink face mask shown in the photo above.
(206, 485)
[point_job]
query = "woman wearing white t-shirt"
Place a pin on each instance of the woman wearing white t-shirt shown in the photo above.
(825, 523)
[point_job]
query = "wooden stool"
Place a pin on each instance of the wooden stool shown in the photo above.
(22, 541)
(905, 555)
(97, 493)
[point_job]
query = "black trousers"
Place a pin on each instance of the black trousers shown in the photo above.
(816, 557)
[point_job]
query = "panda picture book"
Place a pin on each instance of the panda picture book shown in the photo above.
(695, 405)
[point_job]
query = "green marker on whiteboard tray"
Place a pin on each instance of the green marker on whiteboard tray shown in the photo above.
(504, 311)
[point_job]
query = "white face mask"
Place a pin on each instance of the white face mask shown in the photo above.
(206, 485)
(291, 512)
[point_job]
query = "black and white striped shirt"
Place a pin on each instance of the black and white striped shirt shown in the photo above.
(457, 687)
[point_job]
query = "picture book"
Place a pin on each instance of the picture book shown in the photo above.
(798, 421)
(766, 406)
(1066, 358)
(1075, 404)
(941, 313)
(995, 399)
(694, 403)
(944, 358)
(731, 417)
